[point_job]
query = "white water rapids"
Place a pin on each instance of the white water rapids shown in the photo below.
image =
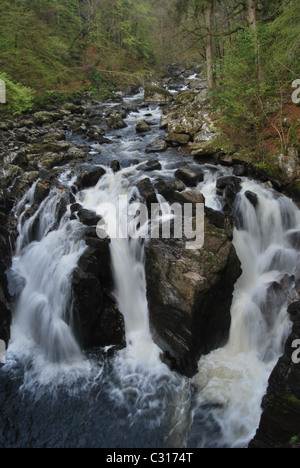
(224, 409)
(127, 257)
(233, 379)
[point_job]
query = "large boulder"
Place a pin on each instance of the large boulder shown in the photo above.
(151, 165)
(187, 317)
(178, 138)
(142, 127)
(115, 121)
(190, 176)
(157, 146)
(44, 117)
(156, 95)
(5, 261)
(90, 178)
(97, 318)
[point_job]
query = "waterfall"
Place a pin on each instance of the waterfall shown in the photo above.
(110, 198)
(232, 380)
(40, 280)
(54, 394)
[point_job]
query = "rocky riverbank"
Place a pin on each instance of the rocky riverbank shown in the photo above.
(187, 317)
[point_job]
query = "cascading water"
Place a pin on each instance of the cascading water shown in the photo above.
(232, 380)
(108, 198)
(40, 278)
(60, 396)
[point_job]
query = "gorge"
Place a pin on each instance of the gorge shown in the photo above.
(118, 342)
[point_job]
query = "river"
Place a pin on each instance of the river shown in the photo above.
(53, 394)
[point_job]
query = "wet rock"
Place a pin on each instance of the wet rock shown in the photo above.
(187, 317)
(5, 262)
(223, 182)
(87, 217)
(20, 160)
(11, 173)
(157, 146)
(240, 170)
(44, 117)
(156, 95)
(230, 187)
(75, 207)
(147, 191)
(115, 121)
(151, 165)
(90, 178)
(95, 133)
(142, 127)
(176, 69)
(293, 239)
(202, 150)
(41, 192)
(56, 136)
(169, 189)
(190, 176)
(115, 165)
(252, 197)
(5, 318)
(30, 177)
(73, 108)
(50, 160)
(178, 138)
(190, 196)
(98, 321)
(215, 217)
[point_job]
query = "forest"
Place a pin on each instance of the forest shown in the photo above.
(249, 51)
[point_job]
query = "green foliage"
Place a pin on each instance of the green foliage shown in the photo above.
(254, 70)
(281, 44)
(58, 44)
(240, 91)
(101, 87)
(19, 98)
(32, 52)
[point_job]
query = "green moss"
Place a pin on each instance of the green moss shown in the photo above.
(292, 399)
(185, 97)
(151, 90)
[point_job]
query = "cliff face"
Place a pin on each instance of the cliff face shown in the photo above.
(5, 315)
(280, 422)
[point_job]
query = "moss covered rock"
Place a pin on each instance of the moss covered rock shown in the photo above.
(156, 95)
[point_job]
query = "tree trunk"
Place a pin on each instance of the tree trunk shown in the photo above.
(251, 8)
(210, 80)
(252, 23)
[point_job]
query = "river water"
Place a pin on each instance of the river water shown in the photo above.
(53, 394)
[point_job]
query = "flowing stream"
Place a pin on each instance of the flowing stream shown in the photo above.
(55, 395)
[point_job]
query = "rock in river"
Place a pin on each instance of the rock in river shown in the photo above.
(190, 311)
